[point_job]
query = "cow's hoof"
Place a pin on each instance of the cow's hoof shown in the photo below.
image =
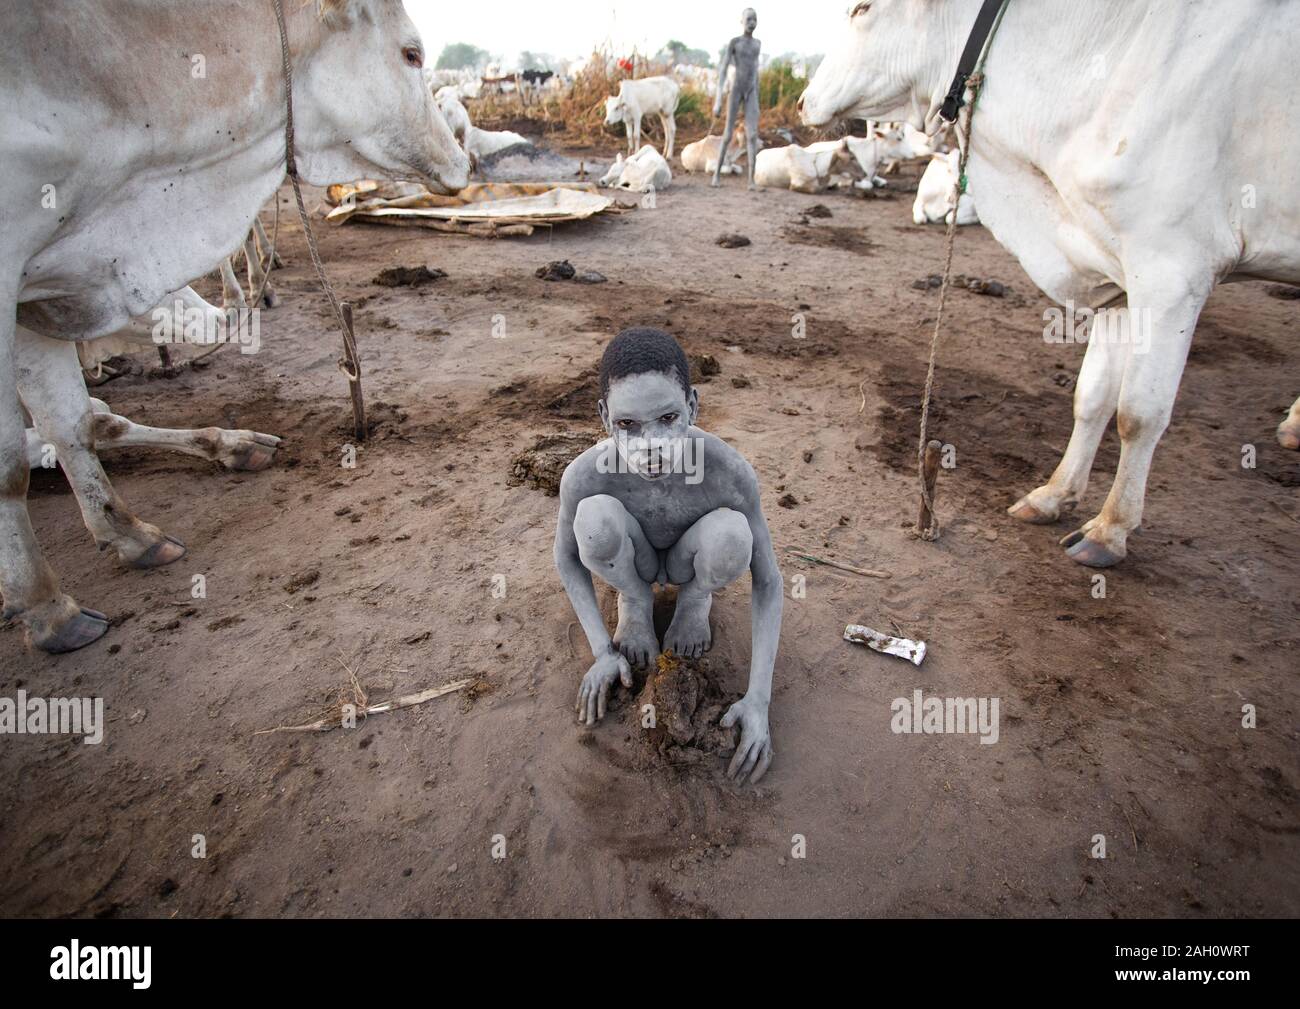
(80, 630)
(254, 452)
(1026, 511)
(269, 298)
(166, 551)
(1288, 435)
(1083, 549)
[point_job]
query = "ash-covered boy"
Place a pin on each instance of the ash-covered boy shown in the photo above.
(660, 501)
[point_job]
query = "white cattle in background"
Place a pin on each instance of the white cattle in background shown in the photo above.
(645, 171)
(702, 155)
(934, 193)
(121, 239)
(811, 169)
(478, 144)
(640, 98)
(1101, 188)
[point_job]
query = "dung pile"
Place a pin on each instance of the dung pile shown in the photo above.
(542, 465)
(688, 704)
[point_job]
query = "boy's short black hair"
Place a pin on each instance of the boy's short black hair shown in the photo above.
(641, 350)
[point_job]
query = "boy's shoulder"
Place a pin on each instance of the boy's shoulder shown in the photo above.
(721, 453)
(582, 476)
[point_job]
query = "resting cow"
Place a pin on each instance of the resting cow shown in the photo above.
(644, 171)
(1089, 160)
(934, 193)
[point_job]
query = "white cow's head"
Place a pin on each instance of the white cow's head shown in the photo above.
(362, 105)
(614, 110)
(889, 65)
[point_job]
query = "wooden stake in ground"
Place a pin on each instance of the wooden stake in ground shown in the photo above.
(351, 367)
(926, 527)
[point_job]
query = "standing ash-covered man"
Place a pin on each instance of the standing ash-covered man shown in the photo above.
(742, 53)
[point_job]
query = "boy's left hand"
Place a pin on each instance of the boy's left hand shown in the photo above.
(755, 749)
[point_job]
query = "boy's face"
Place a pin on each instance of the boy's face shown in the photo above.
(648, 415)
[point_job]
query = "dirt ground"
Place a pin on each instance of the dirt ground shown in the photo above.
(1120, 716)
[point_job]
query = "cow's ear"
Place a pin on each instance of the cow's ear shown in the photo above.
(338, 13)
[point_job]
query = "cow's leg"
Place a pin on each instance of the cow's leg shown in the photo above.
(1162, 321)
(1288, 432)
(31, 592)
(237, 450)
(628, 128)
(1095, 399)
(268, 254)
(670, 133)
(257, 275)
(232, 296)
(636, 133)
(50, 383)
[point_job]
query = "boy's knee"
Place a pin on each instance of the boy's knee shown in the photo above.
(600, 527)
(727, 546)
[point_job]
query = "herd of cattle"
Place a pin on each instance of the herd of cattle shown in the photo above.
(1105, 198)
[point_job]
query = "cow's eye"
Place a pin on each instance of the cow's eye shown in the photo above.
(861, 8)
(413, 57)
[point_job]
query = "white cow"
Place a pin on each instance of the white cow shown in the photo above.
(180, 164)
(702, 155)
(644, 171)
(934, 193)
(478, 144)
(810, 169)
(636, 100)
(1099, 184)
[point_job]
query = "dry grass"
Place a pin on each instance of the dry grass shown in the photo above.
(576, 117)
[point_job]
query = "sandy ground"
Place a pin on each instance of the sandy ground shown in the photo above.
(1119, 716)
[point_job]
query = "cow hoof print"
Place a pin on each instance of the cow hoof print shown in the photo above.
(166, 551)
(1088, 552)
(84, 628)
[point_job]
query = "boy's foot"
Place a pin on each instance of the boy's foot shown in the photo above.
(689, 635)
(635, 634)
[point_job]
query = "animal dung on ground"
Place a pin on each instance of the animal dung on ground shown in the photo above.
(976, 285)
(687, 704)
(732, 241)
(556, 270)
(407, 276)
(543, 464)
(704, 367)
(818, 210)
(903, 648)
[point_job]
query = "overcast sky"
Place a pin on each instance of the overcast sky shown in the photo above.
(571, 28)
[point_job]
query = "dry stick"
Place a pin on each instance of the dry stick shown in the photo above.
(839, 565)
(929, 478)
(327, 722)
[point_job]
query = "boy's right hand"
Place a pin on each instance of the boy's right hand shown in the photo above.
(595, 686)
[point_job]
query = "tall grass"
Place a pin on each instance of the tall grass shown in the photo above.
(577, 116)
